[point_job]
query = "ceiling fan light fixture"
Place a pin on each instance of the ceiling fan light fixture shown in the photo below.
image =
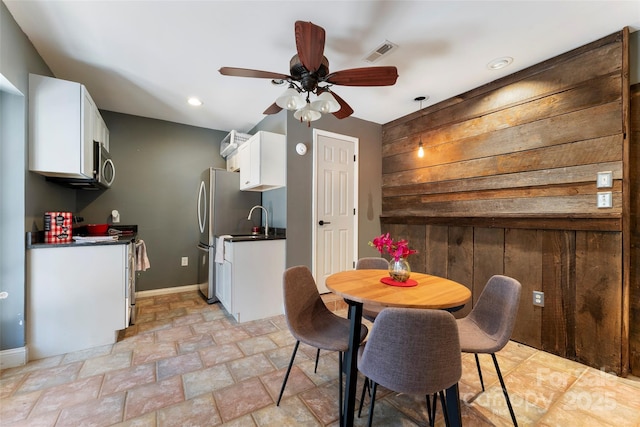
(307, 114)
(326, 103)
(290, 99)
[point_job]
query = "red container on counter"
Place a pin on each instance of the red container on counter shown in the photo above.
(57, 227)
(97, 229)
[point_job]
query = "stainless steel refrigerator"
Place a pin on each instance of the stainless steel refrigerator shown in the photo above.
(222, 209)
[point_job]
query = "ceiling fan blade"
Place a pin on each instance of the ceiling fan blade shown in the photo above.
(272, 109)
(367, 76)
(246, 72)
(345, 110)
(310, 44)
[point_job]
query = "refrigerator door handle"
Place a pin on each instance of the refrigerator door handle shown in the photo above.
(202, 196)
(203, 248)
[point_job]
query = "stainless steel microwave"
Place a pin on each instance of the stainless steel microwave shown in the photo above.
(104, 169)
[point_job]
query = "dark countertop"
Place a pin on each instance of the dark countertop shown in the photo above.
(254, 238)
(35, 240)
(275, 233)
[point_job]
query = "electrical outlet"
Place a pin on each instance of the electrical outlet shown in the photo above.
(605, 199)
(185, 261)
(605, 179)
(538, 298)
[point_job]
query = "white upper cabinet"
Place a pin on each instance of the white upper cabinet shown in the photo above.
(262, 161)
(63, 124)
(100, 131)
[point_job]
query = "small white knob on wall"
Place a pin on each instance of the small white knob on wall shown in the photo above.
(301, 148)
(115, 216)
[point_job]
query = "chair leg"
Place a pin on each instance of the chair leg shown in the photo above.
(504, 389)
(479, 370)
(286, 376)
(431, 408)
(340, 401)
(374, 387)
(365, 387)
(445, 411)
(315, 370)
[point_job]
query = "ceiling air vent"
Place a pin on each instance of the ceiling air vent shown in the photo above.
(383, 50)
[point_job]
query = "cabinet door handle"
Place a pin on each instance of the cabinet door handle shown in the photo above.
(321, 222)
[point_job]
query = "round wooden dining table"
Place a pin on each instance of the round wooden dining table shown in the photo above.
(358, 287)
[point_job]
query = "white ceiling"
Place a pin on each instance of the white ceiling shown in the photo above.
(146, 57)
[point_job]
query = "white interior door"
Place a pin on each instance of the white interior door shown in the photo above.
(334, 215)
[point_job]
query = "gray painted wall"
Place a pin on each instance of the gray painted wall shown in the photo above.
(299, 184)
(12, 257)
(158, 166)
(17, 59)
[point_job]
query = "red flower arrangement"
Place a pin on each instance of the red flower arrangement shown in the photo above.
(398, 249)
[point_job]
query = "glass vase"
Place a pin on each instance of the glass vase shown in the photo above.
(399, 270)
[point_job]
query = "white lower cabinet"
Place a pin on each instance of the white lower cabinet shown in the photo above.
(223, 283)
(76, 297)
(249, 283)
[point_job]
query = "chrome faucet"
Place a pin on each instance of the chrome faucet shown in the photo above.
(266, 219)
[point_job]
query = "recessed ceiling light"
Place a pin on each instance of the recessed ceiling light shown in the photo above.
(499, 63)
(194, 101)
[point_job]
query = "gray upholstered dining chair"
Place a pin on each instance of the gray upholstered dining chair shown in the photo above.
(311, 322)
(488, 327)
(412, 351)
(371, 263)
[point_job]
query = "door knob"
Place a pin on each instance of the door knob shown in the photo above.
(321, 222)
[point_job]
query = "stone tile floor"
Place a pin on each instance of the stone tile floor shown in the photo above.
(186, 363)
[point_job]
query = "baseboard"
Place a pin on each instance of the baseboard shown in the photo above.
(13, 357)
(163, 291)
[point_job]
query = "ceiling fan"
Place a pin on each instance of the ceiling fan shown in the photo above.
(309, 74)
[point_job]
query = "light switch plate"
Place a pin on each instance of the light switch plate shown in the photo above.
(605, 179)
(605, 199)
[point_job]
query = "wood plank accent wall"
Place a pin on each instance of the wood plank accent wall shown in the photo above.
(634, 294)
(508, 186)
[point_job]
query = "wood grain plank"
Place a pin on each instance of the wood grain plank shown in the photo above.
(402, 202)
(626, 204)
(634, 269)
(584, 205)
(599, 299)
(523, 262)
(488, 257)
(460, 260)
(437, 252)
(418, 241)
(548, 222)
(557, 176)
(558, 285)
